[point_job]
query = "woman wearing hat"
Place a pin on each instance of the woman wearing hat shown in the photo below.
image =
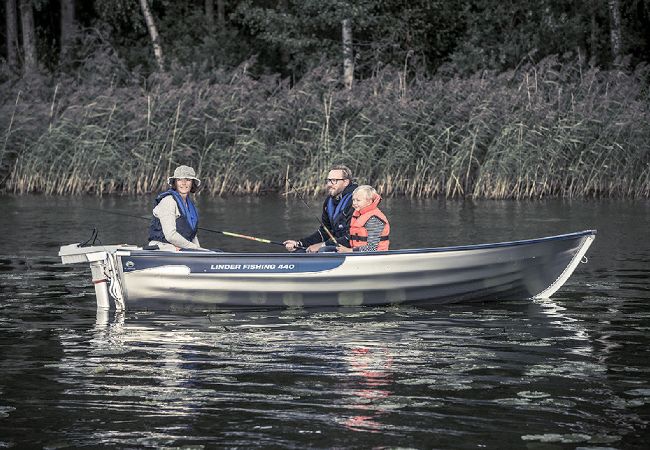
(175, 219)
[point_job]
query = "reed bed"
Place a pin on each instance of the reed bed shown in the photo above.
(550, 129)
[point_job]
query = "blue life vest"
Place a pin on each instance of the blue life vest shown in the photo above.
(186, 225)
(339, 222)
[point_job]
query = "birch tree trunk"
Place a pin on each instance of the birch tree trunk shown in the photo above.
(68, 28)
(209, 14)
(12, 33)
(615, 27)
(221, 14)
(29, 36)
(285, 57)
(153, 33)
(348, 61)
(593, 38)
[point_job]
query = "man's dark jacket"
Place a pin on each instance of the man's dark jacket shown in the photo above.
(339, 225)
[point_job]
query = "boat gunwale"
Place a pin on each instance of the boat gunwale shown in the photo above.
(470, 247)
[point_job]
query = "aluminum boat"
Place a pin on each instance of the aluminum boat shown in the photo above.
(129, 276)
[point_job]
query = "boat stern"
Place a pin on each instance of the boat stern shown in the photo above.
(103, 268)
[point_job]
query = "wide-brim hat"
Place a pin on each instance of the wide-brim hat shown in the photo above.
(184, 172)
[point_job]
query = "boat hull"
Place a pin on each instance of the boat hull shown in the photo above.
(509, 270)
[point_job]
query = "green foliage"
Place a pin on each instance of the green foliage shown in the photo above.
(124, 16)
(292, 37)
(424, 31)
(190, 43)
(126, 30)
(636, 19)
(385, 32)
(304, 33)
(501, 34)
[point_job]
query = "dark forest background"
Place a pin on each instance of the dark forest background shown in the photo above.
(482, 98)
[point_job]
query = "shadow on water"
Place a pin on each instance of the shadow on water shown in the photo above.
(569, 372)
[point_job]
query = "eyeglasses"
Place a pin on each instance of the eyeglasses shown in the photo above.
(334, 180)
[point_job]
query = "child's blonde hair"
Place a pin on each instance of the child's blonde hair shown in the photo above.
(368, 191)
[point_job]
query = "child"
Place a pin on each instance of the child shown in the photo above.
(369, 229)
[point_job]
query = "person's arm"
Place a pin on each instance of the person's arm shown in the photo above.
(374, 226)
(319, 235)
(313, 238)
(167, 211)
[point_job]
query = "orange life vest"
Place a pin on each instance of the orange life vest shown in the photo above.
(358, 232)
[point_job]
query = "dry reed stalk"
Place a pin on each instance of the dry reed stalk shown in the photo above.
(480, 136)
(11, 122)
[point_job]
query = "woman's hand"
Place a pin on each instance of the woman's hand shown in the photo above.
(342, 249)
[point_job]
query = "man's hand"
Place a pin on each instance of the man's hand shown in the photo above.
(291, 245)
(314, 247)
(342, 249)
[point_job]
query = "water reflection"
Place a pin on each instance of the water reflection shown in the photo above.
(370, 388)
(368, 371)
(359, 369)
(559, 319)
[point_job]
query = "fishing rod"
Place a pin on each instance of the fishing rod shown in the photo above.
(225, 233)
(329, 233)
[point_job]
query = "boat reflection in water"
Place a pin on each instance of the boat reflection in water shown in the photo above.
(284, 377)
(371, 369)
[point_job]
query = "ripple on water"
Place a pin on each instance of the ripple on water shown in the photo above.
(572, 438)
(512, 401)
(642, 392)
(5, 411)
(560, 403)
(567, 369)
(533, 394)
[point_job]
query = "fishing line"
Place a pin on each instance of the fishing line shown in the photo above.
(293, 189)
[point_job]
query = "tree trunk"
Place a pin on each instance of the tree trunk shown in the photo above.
(221, 14)
(68, 28)
(153, 33)
(12, 33)
(285, 57)
(348, 61)
(209, 14)
(593, 38)
(615, 26)
(29, 36)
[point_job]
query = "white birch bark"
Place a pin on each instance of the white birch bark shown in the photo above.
(348, 60)
(593, 38)
(29, 36)
(615, 28)
(209, 14)
(221, 13)
(68, 27)
(12, 32)
(153, 33)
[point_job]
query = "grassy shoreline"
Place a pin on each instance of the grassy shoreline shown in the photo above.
(555, 129)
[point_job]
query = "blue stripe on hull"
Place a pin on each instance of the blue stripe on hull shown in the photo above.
(222, 263)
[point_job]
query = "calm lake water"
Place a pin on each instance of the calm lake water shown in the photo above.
(570, 372)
